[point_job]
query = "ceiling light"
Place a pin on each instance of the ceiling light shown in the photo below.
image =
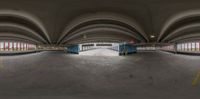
(152, 36)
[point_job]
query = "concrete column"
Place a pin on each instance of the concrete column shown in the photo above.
(4, 46)
(26, 46)
(20, 46)
(175, 48)
(199, 46)
(8, 46)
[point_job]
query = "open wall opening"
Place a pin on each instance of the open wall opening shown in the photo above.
(99, 49)
(9, 47)
(102, 49)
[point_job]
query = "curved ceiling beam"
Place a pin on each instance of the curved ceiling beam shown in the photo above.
(126, 31)
(9, 36)
(176, 18)
(26, 19)
(98, 39)
(181, 30)
(99, 18)
(193, 39)
(100, 28)
(13, 26)
(101, 38)
(190, 36)
(17, 40)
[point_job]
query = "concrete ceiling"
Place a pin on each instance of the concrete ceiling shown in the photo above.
(67, 21)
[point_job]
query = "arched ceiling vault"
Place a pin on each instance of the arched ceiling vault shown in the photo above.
(192, 39)
(64, 21)
(180, 25)
(21, 22)
(186, 37)
(99, 39)
(19, 29)
(81, 24)
(18, 37)
(99, 34)
(184, 29)
(104, 28)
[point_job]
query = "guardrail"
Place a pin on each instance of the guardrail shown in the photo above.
(9, 53)
(196, 53)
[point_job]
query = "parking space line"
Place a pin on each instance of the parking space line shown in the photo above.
(196, 79)
(1, 63)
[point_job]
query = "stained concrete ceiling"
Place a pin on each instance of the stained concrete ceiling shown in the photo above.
(72, 21)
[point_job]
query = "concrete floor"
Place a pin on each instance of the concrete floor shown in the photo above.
(55, 75)
(99, 52)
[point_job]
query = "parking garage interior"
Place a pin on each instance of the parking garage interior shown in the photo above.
(94, 49)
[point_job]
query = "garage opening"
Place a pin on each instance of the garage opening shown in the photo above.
(101, 49)
(14, 47)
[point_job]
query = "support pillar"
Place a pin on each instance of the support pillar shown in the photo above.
(4, 46)
(175, 48)
(13, 46)
(19, 46)
(8, 46)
